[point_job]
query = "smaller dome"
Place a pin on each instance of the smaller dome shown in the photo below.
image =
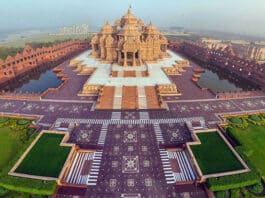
(107, 29)
(151, 29)
(117, 22)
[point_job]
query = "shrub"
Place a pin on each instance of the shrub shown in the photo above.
(30, 131)
(233, 181)
(239, 122)
(235, 193)
(235, 120)
(256, 189)
(255, 117)
(3, 119)
(3, 192)
(220, 194)
(23, 122)
(23, 136)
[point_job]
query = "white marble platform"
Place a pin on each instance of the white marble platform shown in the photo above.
(102, 74)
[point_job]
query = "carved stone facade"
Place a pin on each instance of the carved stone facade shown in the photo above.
(31, 58)
(129, 42)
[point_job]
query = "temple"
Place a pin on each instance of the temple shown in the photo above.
(129, 66)
(129, 42)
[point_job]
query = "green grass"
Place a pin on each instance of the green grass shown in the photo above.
(21, 184)
(213, 155)
(14, 139)
(46, 158)
(9, 146)
(253, 141)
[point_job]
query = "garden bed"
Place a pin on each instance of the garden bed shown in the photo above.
(46, 157)
(213, 155)
(251, 139)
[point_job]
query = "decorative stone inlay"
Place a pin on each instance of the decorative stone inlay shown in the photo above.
(146, 163)
(112, 183)
(130, 182)
(130, 164)
(117, 136)
(144, 148)
(130, 195)
(130, 148)
(130, 136)
(84, 135)
(114, 164)
(148, 182)
(116, 148)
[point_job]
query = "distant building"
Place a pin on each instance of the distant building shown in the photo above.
(73, 30)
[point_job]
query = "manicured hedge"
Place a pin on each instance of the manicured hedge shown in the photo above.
(257, 188)
(255, 117)
(3, 192)
(20, 184)
(220, 194)
(29, 185)
(3, 119)
(233, 181)
(235, 120)
(235, 193)
(23, 121)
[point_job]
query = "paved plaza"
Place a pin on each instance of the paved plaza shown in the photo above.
(130, 157)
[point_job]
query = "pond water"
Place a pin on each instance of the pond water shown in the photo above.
(38, 82)
(221, 81)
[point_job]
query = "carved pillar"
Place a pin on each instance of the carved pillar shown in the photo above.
(119, 57)
(125, 59)
(134, 59)
(139, 57)
(93, 49)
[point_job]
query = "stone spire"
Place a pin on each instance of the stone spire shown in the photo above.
(129, 10)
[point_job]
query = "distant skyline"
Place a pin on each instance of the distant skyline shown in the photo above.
(236, 16)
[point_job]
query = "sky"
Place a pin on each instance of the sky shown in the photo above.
(237, 16)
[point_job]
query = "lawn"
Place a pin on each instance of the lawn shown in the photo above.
(9, 146)
(46, 158)
(253, 140)
(213, 155)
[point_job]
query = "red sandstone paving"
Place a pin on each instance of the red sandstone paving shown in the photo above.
(174, 165)
(71, 88)
(86, 167)
(188, 88)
